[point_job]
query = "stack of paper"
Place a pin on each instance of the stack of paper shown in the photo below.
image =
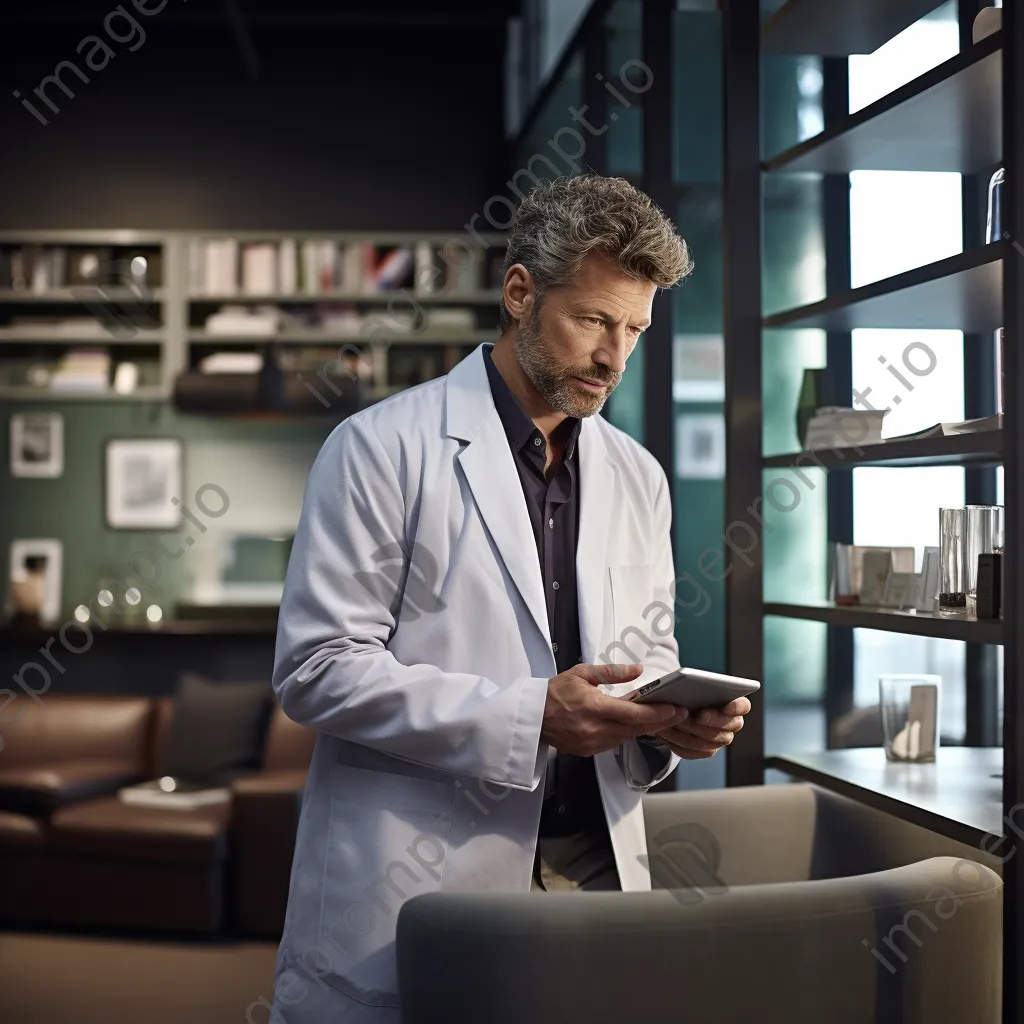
(837, 427)
(82, 370)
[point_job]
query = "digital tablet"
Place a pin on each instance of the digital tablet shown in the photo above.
(694, 688)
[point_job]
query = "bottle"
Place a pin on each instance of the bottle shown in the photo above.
(994, 224)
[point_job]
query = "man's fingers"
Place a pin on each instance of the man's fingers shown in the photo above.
(688, 745)
(717, 721)
(609, 675)
(688, 731)
(646, 717)
(720, 716)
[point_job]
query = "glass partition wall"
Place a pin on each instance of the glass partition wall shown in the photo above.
(649, 77)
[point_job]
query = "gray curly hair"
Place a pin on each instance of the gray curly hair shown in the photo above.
(561, 221)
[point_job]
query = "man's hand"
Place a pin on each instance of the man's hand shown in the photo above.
(583, 720)
(705, 732)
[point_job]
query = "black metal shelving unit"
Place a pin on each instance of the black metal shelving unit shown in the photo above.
(964, 116)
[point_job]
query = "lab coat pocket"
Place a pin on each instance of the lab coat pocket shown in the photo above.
(387, 841)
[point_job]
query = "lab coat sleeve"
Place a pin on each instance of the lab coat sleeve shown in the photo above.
(645, 765)
(332, 670)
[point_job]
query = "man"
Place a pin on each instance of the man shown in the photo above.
(482, 568)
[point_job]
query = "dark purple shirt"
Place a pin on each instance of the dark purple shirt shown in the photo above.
(575, 804)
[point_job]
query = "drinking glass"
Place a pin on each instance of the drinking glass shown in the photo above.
(910, 716)
(984, 534)
(952, 582)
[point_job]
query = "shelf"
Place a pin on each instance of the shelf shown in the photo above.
(476, 298)
(985, 448)
(949, 119)
(891, 620)
(66, 295)
(963, 292)
(834, 29)
(140, 337)
(321, 338)
(152, 393)
(956, 796)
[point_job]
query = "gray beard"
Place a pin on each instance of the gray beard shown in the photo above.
(548, 376)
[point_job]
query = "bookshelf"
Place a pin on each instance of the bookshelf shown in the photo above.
(965, 116)
(410, 303)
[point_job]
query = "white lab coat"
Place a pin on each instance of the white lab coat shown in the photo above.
(428, 688)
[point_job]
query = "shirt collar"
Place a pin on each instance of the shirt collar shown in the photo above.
(519, 428)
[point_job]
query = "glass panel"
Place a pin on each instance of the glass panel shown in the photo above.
(624, 48)
(793, 505)
(901, 220)
(625, 408)
(551, 146)
(917, 49)
(697, 104)
(560, 19)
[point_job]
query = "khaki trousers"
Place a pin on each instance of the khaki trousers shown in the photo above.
(582, 861)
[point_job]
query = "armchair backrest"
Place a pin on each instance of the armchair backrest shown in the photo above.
(74, 727)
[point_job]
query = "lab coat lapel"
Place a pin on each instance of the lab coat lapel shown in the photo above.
(490, 470)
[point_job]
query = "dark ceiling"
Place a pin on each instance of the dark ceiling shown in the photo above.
(257, 31)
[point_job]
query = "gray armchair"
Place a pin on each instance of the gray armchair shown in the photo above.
(780, 904)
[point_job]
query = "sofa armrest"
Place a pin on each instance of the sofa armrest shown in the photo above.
(742, 835)
(42, 789)
(264, 819)
(799, 952)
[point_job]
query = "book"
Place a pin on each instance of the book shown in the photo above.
(259, 268)
(976, 426)
(173, 794)
(288, 267)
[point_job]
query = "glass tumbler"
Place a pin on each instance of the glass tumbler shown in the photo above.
(952, 581)
(910, 716)
(984, 535)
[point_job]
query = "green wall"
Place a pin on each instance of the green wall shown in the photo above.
(70, 508)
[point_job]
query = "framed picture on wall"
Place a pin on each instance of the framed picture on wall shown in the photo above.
(34, 590)
(142, 477)
(37, 444)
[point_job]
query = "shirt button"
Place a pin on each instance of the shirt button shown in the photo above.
(554, 585)
(554, 647)
(561, 808)
(551, 523)
(537, 440)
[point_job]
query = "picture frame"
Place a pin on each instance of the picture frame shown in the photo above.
(37, 444)
(700, 446)
(899, 590)
(51, 551)
(142, 476)
(876, 569)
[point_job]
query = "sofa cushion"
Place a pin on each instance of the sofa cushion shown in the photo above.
(106, 827)
(73, 727)
(216, 730)
(20, 832)
(42, 789)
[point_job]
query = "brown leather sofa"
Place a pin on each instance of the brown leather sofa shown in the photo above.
(71, 853)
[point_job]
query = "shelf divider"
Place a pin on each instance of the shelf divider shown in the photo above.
(983, 448)
(962, 292)
(955, 796)
(948, 119)
(984, 631)
(832, 29)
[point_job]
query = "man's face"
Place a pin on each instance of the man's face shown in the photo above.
(583, 332)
